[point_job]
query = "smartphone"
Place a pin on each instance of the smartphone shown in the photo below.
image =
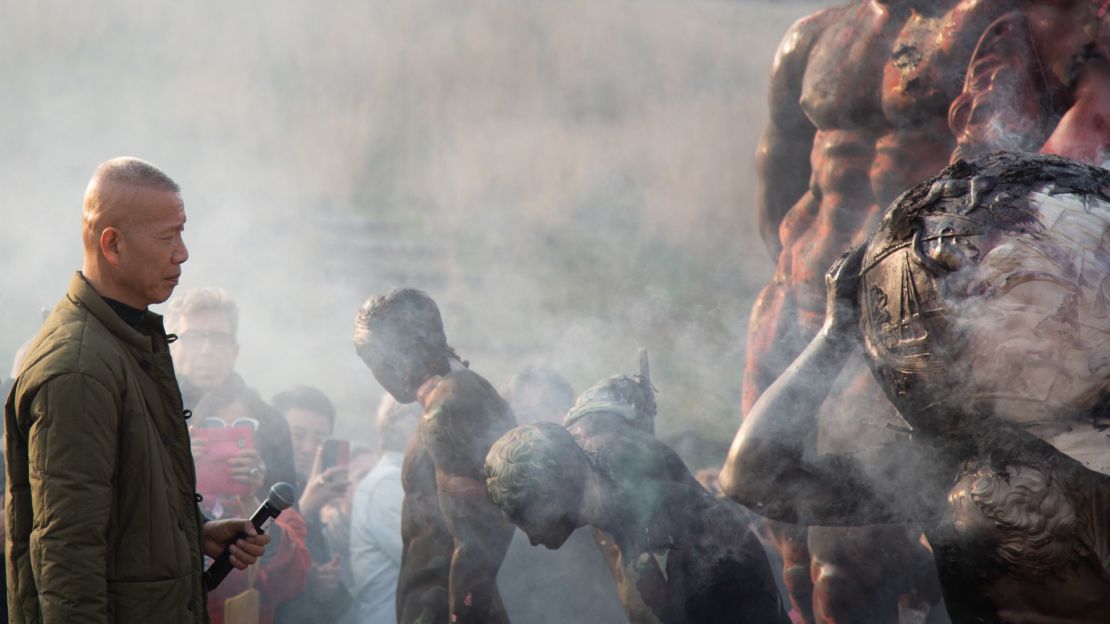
(213, 472)
(335, 453)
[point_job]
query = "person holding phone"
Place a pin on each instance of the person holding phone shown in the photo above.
(321, 465)
(240, 444)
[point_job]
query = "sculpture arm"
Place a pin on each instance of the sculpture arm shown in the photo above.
(1083, 133)
(481, 539)
(461, 419)
(782, 157)
(1007, 103)
(768, 469)
(1005, 100)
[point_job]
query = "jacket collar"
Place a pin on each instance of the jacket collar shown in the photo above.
(83, 294)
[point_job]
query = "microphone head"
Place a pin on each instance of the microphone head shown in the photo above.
(282, 496)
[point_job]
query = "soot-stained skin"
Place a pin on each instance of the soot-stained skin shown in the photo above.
(870, 98)
(454, 537)
(679, 555)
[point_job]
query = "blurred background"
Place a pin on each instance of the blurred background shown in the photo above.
(570, 180)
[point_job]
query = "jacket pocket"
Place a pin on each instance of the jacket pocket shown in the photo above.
(169, 601)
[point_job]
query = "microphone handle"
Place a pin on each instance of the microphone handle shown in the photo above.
(215, 574)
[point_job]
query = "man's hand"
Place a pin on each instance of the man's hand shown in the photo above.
(324, 578)
(323, 487)
(221, 534)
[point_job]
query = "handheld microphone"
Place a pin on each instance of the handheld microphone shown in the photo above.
(281, 497)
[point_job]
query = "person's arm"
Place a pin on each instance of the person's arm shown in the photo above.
(768, 469)
(782, 157)
(72, 444)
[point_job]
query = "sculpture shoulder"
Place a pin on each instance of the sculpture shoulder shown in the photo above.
(623, 452)
(1067, 34)
(462, 390)
(803, 33)
(796, 44)
(463, 417)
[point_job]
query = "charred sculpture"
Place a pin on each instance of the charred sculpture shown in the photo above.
(867, 100)
(678, 554)
(454, 539)
(981, 303)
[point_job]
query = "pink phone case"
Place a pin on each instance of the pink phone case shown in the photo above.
(213, 472)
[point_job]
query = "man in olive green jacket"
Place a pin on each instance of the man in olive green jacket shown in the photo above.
(102, 522)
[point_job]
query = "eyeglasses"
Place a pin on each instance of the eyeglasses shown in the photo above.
(244, 423)
(214, 338)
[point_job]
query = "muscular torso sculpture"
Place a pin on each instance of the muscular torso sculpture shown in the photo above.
(453, 538)
(869, 99)
(463, 415)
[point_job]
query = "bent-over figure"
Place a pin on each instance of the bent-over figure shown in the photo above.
(678, 554)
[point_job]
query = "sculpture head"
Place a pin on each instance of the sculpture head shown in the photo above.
(537, 476)
(538, 394)
(988, 287)
(631, 396)
(400, 337)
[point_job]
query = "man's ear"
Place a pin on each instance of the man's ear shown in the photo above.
(111, 239)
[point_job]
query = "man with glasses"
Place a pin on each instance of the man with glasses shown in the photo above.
(206, 323)
(103, 523)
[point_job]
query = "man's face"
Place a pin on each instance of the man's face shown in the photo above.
(151, 249)
(308, 430)
(205, 351)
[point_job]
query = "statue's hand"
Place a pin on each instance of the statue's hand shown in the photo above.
(842, 295)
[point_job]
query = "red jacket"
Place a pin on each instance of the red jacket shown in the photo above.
(279, 579)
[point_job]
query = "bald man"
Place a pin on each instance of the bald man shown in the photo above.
(102, 517)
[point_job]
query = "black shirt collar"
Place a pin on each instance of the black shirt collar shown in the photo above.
(131, 316)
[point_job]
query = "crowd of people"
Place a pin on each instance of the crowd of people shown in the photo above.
(335, 556)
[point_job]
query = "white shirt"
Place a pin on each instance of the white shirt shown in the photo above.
(376, 541)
